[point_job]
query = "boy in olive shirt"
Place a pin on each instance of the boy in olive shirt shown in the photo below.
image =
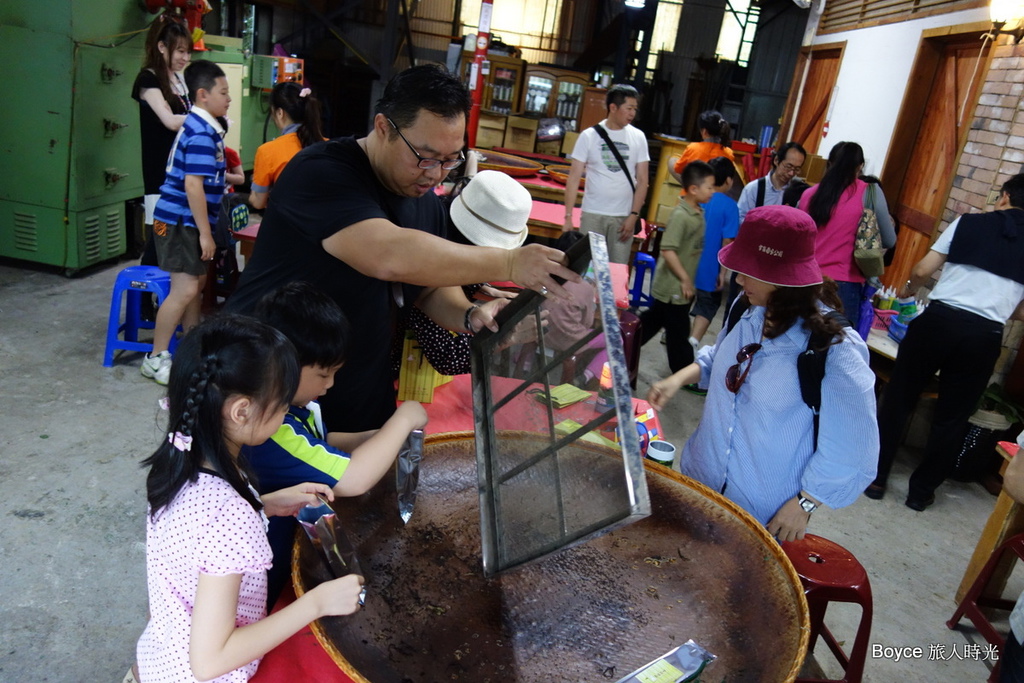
(673, 289)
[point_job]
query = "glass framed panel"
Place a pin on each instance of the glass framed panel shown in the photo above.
(538, 95)
(550, 391)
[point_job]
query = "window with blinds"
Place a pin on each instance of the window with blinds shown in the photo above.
(844, 15)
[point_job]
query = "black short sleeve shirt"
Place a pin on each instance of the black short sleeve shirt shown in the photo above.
(325, 188)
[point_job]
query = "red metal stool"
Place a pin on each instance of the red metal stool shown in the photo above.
(830, 573)
(975, 599)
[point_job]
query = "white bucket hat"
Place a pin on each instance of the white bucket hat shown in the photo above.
(492, 210)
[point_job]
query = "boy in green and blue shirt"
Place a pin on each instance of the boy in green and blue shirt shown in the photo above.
(303, 450)
(673, 286)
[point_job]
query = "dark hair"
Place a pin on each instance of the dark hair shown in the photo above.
(723, 170)
(225, 356)
(791, 195)
(1014, 189)
(311, 320)
(844, 162)
(453, 234)
(779, 155)
(695, 172)
(715, 124)
(303, 110)
(428, 87)
(202, 75)
(786, 305)
(172, 33)
(617, 94)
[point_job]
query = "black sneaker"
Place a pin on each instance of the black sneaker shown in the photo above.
(694, 389)
(919, 504)
(875, 491)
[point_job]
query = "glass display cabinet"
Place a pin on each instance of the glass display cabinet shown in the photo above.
(552, 92)
(503, 81)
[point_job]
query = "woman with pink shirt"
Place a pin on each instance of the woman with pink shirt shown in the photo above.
(836, 205)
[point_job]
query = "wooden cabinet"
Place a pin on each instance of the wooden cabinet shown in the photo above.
(665, 190)
(593, 110)
(552, 92)
(502, 83)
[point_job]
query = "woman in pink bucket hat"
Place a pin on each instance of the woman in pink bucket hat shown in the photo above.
(756, 440)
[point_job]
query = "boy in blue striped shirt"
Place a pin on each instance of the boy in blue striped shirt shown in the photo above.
(186, 212)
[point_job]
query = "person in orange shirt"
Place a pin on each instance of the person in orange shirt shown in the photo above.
(296, 113)
(715, 134)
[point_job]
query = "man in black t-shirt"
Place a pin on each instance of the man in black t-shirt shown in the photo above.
(359, 218)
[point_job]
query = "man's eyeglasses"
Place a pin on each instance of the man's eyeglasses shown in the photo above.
(733, 377)
(789, 168)
(427, 164)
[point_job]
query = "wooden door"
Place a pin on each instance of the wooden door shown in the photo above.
(929, 135)
(815, 95)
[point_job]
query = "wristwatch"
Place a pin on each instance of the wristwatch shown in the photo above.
(807, 504)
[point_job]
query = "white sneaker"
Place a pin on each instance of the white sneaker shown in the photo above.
(158, 367)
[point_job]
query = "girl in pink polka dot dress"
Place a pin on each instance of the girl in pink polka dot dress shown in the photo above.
(207, 553)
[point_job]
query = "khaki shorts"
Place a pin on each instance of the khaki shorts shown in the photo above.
(177, 249)
(618, 252)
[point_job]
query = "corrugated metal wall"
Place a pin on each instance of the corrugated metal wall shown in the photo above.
(772, 61)
(699, 26)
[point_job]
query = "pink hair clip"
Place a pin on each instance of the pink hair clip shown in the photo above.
(182, 442)
(304, 92)
(164, 403)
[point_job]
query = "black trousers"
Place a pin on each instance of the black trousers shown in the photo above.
(1012, 661)
(675, 319)
(963, 347)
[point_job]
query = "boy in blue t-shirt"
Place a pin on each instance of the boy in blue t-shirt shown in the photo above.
(302, 450)
(721, 223)
(186, 212)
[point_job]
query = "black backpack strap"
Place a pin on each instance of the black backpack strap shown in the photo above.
(739, 306)
(810, 368)
(761, 184)
(615, 150)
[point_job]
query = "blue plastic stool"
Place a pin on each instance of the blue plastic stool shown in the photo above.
(641, 265)
(134, 280)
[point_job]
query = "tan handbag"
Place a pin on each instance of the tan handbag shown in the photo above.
(867, 246)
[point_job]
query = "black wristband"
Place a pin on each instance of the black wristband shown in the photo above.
(466, 322)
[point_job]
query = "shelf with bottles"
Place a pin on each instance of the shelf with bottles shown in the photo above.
(503, 90)
(567, 104)
(502, 81)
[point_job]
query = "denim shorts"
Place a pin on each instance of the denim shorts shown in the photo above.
(706, 304)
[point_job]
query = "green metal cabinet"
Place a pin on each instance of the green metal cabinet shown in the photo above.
(69, 137)
(66, 171)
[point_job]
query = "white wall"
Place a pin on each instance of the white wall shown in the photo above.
(872, 79)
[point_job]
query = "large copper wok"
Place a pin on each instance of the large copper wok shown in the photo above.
(698, 568)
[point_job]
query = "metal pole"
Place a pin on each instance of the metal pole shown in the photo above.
(476, 73)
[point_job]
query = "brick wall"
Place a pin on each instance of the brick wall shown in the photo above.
(993, 153)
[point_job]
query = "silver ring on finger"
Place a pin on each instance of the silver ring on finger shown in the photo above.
(543, 291)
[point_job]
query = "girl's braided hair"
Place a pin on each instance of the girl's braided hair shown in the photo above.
(226, 356)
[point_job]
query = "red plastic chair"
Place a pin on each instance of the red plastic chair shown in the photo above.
(830, 573)
(975, 600)
(749, 169)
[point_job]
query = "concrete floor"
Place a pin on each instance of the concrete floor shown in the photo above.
(72, 556)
